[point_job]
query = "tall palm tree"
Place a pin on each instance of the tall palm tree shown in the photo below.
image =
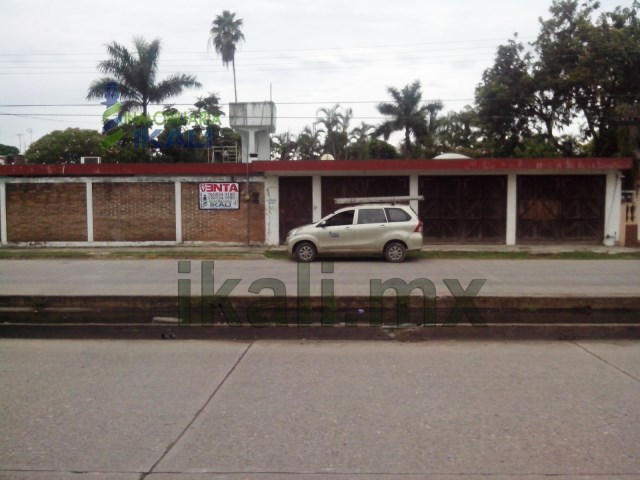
(225, 35)
(134, 74)
(406, 113)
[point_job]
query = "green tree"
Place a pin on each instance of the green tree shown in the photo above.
(135, 76)
(334, 123)
(208, 129)
(65, 146)
(373, 148)
(359, 137)
(406, 114)
(225, 35)
(309, 144)
(505, 99)
(8, 150)
(459, 132)
(583, 74)
(284, 147)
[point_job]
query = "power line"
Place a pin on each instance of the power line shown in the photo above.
(317, 102)
(341, 48)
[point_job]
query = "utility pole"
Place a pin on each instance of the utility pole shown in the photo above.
(30, 137)
(20, 143)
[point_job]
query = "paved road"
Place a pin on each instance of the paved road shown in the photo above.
(191, 410)
(604, 278)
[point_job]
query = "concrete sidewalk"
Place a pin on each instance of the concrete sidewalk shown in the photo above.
(191, 410)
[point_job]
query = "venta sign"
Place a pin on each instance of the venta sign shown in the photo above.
(219, 196)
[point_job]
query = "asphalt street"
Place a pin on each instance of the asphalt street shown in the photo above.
(580, 278)
(193, 410)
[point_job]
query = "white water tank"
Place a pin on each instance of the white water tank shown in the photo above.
(255, 121)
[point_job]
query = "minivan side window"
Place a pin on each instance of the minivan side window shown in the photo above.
(397, 215)
(342, 218)
(371, 215)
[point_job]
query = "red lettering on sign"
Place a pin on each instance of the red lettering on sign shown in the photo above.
(219, 187)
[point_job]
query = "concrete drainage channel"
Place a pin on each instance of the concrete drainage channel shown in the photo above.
(405, 319)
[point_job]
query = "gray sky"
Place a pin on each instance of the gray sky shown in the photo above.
(310, 54)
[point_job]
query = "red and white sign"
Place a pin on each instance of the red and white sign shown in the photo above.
(219, 196)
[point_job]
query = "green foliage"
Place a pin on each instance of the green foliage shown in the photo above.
(65, 146)
(309, 144)
(459, 132)
(8, 150)
(583, 70)
(334, 124)
(225, 35)
(504, 100)
(382, 150)
(135, 76)
(284, 147)
(407, 114)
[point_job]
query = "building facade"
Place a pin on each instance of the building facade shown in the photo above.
(467, 201)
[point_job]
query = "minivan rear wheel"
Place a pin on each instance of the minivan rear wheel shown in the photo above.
(306, 252)
(395, 252)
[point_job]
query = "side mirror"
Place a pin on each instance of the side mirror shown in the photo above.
(322, 224)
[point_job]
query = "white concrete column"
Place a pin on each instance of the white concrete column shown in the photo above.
(272, 211)
(3, 212)
(89, 186)
(316, 198)
(613, 202)
(413, 192)
(178, 206)
(512, 208)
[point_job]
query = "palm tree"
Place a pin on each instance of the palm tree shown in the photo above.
(406, 113)
(361, 133)
(360, 136)
(309, 144)
(225, 34)
(134, 75)
(284, 147)
(336, 126)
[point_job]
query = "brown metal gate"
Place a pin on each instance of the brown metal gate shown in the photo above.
(295, 203)
(560, 208)
(464, 209)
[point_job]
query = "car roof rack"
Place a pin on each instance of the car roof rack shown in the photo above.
(391, 200)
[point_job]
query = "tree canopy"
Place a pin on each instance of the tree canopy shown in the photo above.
(225, 35)
(134, 75)
(575, 89)
(65, 146)
(8, 150)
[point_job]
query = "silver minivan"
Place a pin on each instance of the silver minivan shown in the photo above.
(390, 230)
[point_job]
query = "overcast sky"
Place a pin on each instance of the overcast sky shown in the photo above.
(305, 54)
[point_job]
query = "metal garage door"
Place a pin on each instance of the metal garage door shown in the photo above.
(560, 208)
(464, 209)
(347, 187)
(295, 203)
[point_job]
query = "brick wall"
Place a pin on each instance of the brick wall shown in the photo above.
(224, 225)
(46, 212)
(133, 212)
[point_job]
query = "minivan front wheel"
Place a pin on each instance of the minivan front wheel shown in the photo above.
(395, 252)
(306, 252)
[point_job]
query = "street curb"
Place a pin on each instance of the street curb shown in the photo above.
(304, 318)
